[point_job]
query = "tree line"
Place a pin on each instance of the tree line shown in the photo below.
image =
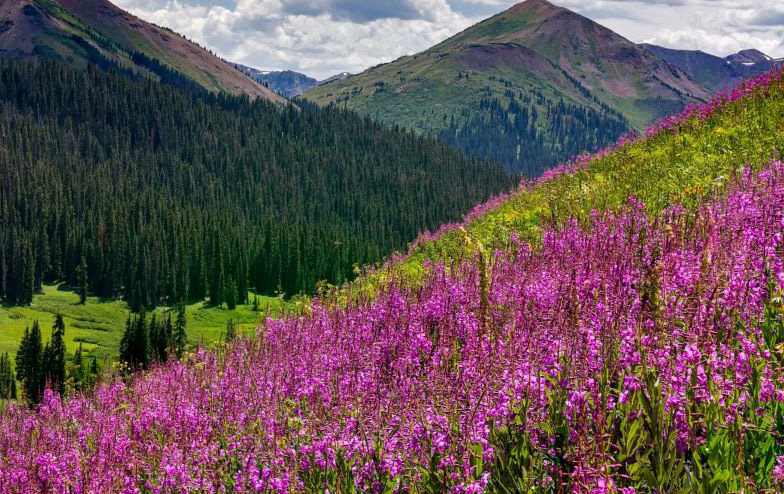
(146, 341)
(130, 188)
(39, 366)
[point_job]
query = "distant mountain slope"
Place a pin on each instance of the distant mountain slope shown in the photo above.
(286, 82)
(714, 72)
(566, 83)
(79, 32)
(336, 77)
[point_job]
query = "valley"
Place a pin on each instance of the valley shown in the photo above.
(535, 257)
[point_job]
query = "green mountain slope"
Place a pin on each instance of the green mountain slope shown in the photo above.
(79, 32)
(573, 77)
(686, 163)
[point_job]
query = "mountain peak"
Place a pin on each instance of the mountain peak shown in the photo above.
(749, 56)
(81, 32)
(533, 4)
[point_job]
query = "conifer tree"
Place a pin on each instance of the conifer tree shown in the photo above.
(155, 339)
(7, 379)
(137, 303)
(180, 337)
(29, 364)
(218, 286)
(141, 341)
(95, 371)
(135, 347)
(255, 303)
(126, 343)
(82, 280)
(231, 331)
(55, 360)
(172, 215)
(77, 371)
(231, 294)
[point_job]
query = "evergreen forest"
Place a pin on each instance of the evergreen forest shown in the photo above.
(131, 188)
(530, 133)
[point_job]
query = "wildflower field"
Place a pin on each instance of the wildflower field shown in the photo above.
(631, 345)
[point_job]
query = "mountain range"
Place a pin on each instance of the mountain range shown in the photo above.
(716, 73)
(534, 85)
(82, 32)
(528, 87)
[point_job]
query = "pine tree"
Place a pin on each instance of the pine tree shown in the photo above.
(255, 303)
(7, 379)
(78, 372)
(81, 272)
(231, 294)
(126, 343)
(55, 361)
(176, 217)
(218, 285)
(137, 304)
(231, 331)
(29, 364)
(180, 337)
(95, 371)
(242, 278)
(155, 337)
(135, 347)
(141, 341)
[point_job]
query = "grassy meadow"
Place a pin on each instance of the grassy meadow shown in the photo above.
(99, 324)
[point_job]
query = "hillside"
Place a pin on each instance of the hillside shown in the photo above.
(80, 32)
(633, 347)
(529, 87)
(685, 158)
(715, 73)
(286, 82)
(135, 190)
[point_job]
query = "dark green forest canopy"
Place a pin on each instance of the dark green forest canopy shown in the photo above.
(171, 194)
(512, 131)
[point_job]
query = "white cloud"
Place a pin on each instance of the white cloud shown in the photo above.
(320, 38)
(324, 37)
(719, 44)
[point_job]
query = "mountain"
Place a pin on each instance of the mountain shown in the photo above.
(750, 56)
(287, 82)
(336, 77)
(79, 32)
(529, 87)
(715, 73)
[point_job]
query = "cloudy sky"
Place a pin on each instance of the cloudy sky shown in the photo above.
(324, 37)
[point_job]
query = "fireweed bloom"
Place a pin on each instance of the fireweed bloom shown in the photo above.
(385, 390)
(558, 345)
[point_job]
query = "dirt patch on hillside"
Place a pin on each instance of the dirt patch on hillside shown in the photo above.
(481, 58)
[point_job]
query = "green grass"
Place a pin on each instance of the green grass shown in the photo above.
(99, 324)
(687, 168)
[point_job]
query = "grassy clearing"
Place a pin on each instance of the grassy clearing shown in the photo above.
(99, 324)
